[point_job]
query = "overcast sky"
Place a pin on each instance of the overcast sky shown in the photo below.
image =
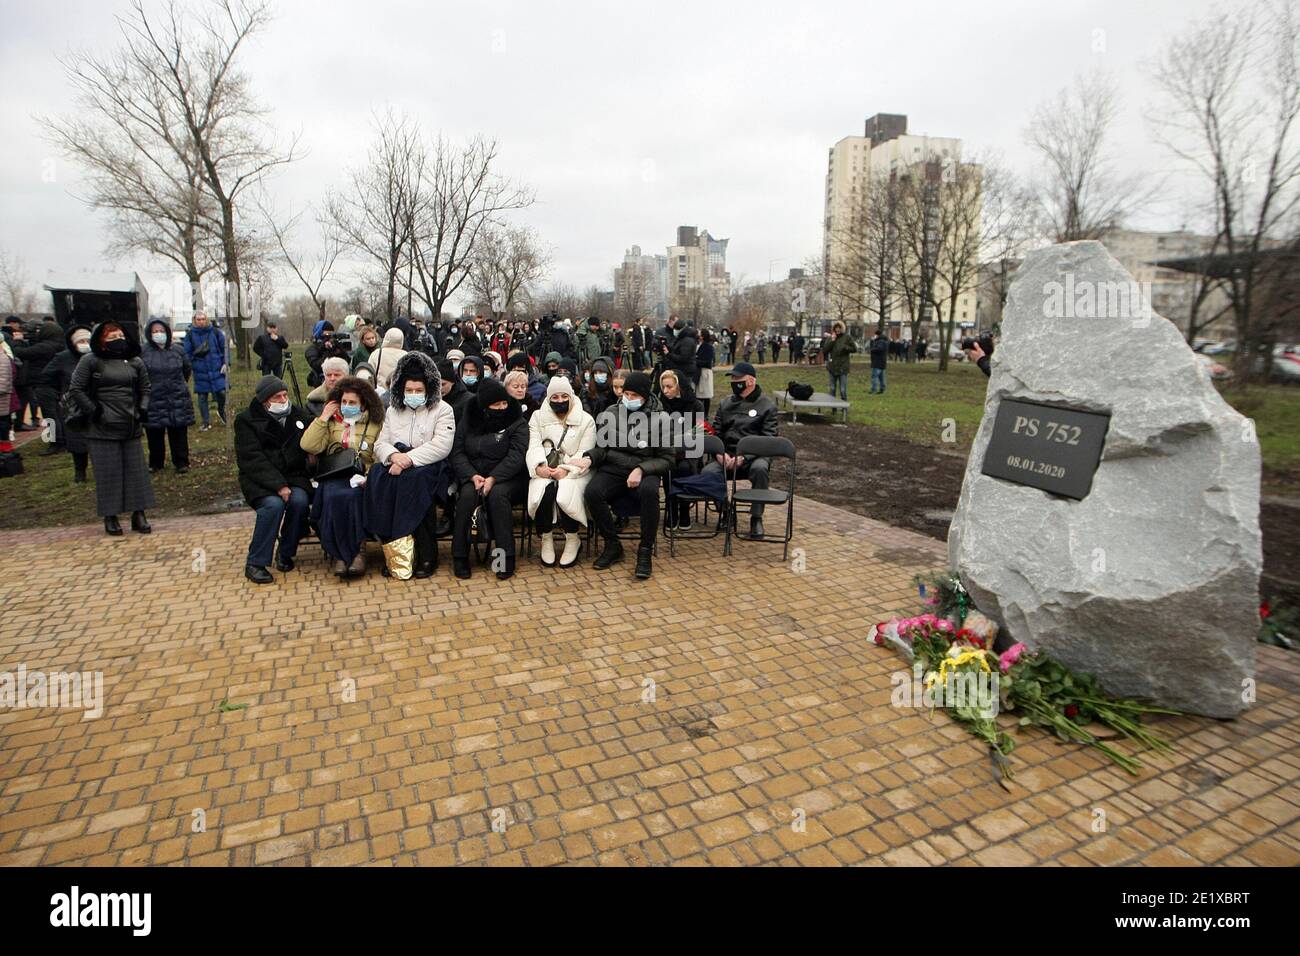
(628, 119)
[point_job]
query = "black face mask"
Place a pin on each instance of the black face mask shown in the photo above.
(551, 372)
(560, 408)
(499, 417)
(738, 388)
(116, 348)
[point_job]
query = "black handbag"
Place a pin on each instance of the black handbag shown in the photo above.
(340, 464)
(480, 527)
(799, 391)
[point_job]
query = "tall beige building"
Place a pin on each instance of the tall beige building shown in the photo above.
(697, 264)
(885, 147)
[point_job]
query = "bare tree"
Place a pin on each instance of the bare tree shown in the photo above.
(860, 275)
(507, 262)
(633, 290)
(15, 284)
(374, 213)
(1230, 99)
(561, 299)
(457, 197)
(593, 301)
(311, 270)
(1079, 195)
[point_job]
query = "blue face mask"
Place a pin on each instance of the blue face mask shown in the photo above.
(601, 378)
(632, 404)
(350, 411)
(415, 401)
(469, 379)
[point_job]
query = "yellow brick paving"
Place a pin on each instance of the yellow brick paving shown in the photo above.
(727, 712)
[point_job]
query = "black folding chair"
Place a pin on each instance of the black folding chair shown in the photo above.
(712, 446)
(743, 500)
(627, 522)
(524, 548)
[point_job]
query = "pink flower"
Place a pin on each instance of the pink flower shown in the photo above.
(1007, 659)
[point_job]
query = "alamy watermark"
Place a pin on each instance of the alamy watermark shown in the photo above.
(1098, 300)
(78, 690)
(965, 689)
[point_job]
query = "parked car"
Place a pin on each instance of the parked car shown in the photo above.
(1286, 364)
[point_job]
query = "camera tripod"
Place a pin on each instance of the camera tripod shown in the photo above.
(293, 377)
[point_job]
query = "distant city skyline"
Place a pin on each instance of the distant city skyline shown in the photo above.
(624, 139)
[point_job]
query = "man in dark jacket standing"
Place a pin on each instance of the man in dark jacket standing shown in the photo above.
(838, 352)
(273, 476)
(269, 348)
(681, 352)
(57, 378)
(879, 349)
(746, 411)
(36, 356)
(171, 410)
(632, 456)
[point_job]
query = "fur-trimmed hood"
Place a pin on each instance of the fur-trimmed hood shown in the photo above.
(417, 367)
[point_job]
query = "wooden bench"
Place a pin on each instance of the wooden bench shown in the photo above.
(821, 403)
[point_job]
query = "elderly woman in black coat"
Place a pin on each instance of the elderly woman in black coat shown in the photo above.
(171, 411)
(110, 388)
(488, 460)
(56, 380)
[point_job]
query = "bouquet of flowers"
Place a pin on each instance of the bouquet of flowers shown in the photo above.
(1042, 691)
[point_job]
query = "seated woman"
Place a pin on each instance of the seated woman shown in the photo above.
(410, 475)
(488, 460)
(616, 383)
(559, 436)
(516, 382)
(350, 421)
(599, 394)
(681, 404)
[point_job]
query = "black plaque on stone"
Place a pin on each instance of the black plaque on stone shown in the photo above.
(1046, 446)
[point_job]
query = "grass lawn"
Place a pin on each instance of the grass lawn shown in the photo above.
(918, 398)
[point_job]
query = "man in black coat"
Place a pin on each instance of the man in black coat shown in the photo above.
(746, 411)
(681, 351)
(57, 378)
(269, 347)
(273, 476)
(633, 455)
(34, 354)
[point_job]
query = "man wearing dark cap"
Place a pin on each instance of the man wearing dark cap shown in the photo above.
(630, 458)
(272, 476)
(746, 411)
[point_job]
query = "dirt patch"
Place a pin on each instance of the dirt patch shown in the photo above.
(875, 473)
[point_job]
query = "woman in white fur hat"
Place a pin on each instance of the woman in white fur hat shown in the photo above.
(560, 433)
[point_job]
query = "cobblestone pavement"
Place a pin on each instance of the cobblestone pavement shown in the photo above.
(514, 723)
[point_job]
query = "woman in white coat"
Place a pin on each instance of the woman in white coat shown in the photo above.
(560, 433)
(385, 359)
(410, 474)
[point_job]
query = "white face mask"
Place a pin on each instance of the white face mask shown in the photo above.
(278, 408)
(159, 338)
(83, 347)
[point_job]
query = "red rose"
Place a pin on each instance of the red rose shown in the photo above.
(1264, 610)
(1071, 711)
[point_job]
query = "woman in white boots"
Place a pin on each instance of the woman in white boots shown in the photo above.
(560, 433)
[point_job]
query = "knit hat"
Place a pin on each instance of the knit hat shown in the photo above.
(553, 357)
(561, 385)
(446, 371)
(455, 356)
(519, 360)
(267, 386)
(491, 391)
(638, 382)
(570, 366)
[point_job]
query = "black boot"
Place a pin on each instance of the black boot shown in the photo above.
(139, 523)
(509, 571)
(257, 575)
(643, 555)
(79, 476)
(460, 567)
(612, 553)
(112, 526)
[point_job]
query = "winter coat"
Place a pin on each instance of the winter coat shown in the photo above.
(323, 438)
(681, 355)
(8, 380)
(634, 441)
(386, 357)
(580, 439)
(114, 392)
(36, 354)
(269, 454)
(838, 353)
(208, 377)
(170, 404)
(480, 449)
(597, 398)
(879, 349)
(739, 417)
(57, 378)
(270, 351)
(429, 431)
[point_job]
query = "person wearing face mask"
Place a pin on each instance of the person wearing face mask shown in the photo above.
(57, 378)
(488, 460)
(205, 347)
(552, 364)
(599, 393)
(110, 387)
(171, 410)
(410, 476)
(273, 476)
(746, 411)
(471, 373)
(559, 436)
(351, 420)
(630, 459)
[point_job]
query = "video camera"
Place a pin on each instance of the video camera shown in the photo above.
(984, 341)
